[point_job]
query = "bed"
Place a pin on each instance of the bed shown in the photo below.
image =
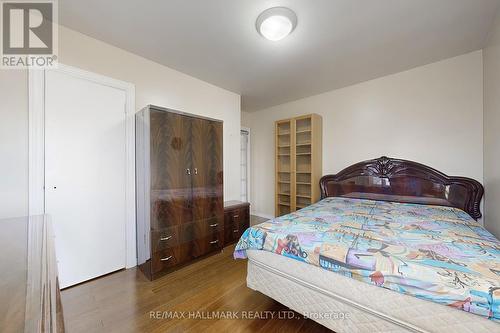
(393, 246)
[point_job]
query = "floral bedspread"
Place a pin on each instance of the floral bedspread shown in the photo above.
(434, 253)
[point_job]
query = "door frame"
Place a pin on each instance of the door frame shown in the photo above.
(36, 143)
(249, 161)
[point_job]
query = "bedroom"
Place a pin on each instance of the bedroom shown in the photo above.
(165, 139)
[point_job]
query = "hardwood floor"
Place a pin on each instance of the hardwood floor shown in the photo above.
(126, 301)
(256, 220)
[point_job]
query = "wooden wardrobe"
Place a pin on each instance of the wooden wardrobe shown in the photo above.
(298, 162)
(180, 206)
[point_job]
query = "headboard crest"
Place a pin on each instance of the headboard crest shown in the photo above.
(399, 180)
(383, 166)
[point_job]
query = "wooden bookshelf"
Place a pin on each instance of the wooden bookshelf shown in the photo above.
(298, 162)
(283, 166)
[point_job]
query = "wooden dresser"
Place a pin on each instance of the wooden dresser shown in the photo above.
(180, 212)
(236, 220)
(29, 290)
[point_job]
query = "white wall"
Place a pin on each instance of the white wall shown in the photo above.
(154, 83)
(13, 143)
(492, 130)
(245, 118)
(431, 114)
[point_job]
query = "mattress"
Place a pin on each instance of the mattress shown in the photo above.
(346, 305)
(434, 253)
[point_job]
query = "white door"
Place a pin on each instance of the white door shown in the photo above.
(85, 175)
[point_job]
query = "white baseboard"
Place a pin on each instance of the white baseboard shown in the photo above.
(265, 216)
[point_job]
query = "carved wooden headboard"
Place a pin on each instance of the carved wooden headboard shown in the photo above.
(404, 181)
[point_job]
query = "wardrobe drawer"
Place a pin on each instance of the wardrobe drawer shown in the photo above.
(164, 239)
(205, 245)
(232, 229)
(236, 221)
(208, 227)
(164, 259)
(238, 230)
(236, 215)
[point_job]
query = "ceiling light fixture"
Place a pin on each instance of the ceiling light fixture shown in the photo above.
(276, 23)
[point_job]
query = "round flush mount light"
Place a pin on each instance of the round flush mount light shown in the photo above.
(276, 23)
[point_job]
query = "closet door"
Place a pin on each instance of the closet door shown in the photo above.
(208, 206)
(171, 182)
(85, 175)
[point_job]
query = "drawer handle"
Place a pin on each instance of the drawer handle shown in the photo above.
(166, 259)
(236, 216)
(235, 230)
(214, 242)
(214, 225)
(165, 238)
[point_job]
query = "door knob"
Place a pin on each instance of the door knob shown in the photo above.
(195, 171)
(188, 172)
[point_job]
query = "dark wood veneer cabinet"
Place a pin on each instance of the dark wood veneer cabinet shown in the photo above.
(236, 220)
(180, 210)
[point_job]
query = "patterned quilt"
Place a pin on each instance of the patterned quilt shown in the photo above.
(434, 253)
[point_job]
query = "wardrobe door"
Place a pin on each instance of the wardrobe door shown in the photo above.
(171, 183)
(208, 203)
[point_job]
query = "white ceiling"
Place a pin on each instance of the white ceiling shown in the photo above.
(336, 42)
